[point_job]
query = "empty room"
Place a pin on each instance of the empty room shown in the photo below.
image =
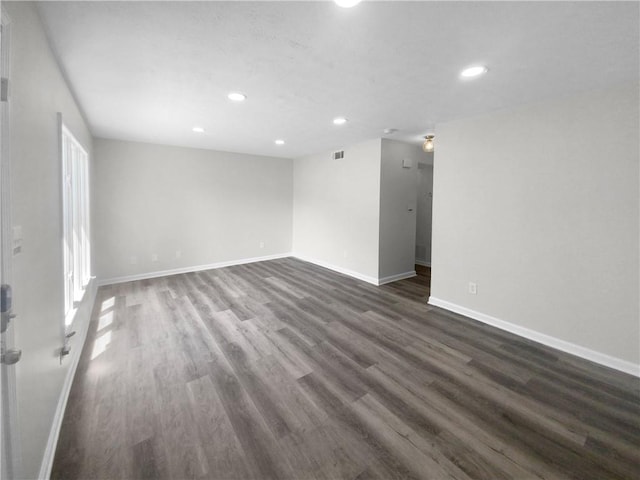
(332, 239)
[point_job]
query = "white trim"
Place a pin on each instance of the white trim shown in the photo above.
(54, 433)
(365, 278)
(344, 271)
(423, 263)
(10, 437)
(194, 268)
(563, 345)
(395, 278)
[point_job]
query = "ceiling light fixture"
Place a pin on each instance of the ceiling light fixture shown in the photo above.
(427, 146)
(347, 3)
(339, 121)
(474, 71)
(237, 97)
(279, 142)
(198, 129)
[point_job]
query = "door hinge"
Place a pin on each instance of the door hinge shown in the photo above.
(4, 90)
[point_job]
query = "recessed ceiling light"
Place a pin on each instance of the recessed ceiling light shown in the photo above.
(339, 121)
(279, 142)
(347, 3)
(237, 97)
(474, 71)
(198, 129)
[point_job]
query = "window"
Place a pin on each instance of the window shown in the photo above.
(75, 214)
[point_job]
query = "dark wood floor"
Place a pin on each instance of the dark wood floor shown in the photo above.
(423, 277)
(285, 370)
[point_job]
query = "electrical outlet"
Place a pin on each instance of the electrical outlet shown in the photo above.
(178, 254)
(473, 288)
(261, 244)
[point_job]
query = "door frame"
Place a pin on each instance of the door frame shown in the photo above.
(9, 437)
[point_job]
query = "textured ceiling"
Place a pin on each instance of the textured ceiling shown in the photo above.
(150, 71)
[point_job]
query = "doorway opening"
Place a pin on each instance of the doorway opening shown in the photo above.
(424, 220)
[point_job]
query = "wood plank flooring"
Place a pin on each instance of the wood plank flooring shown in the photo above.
(285, 370)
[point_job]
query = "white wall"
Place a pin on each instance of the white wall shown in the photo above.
(212, 207)
(37, 92)
(423, 211)
(398, 196)
(337, 209)
(540, 207)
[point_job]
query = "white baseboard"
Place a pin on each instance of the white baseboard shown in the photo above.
(194, 268)
(74, 358)
(365, 278)
(395, 278)
(351, 273)
(423, 263)
(568, 347)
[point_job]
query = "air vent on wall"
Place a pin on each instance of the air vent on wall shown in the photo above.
(338, 155)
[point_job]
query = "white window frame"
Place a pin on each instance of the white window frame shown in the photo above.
(76, 237)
